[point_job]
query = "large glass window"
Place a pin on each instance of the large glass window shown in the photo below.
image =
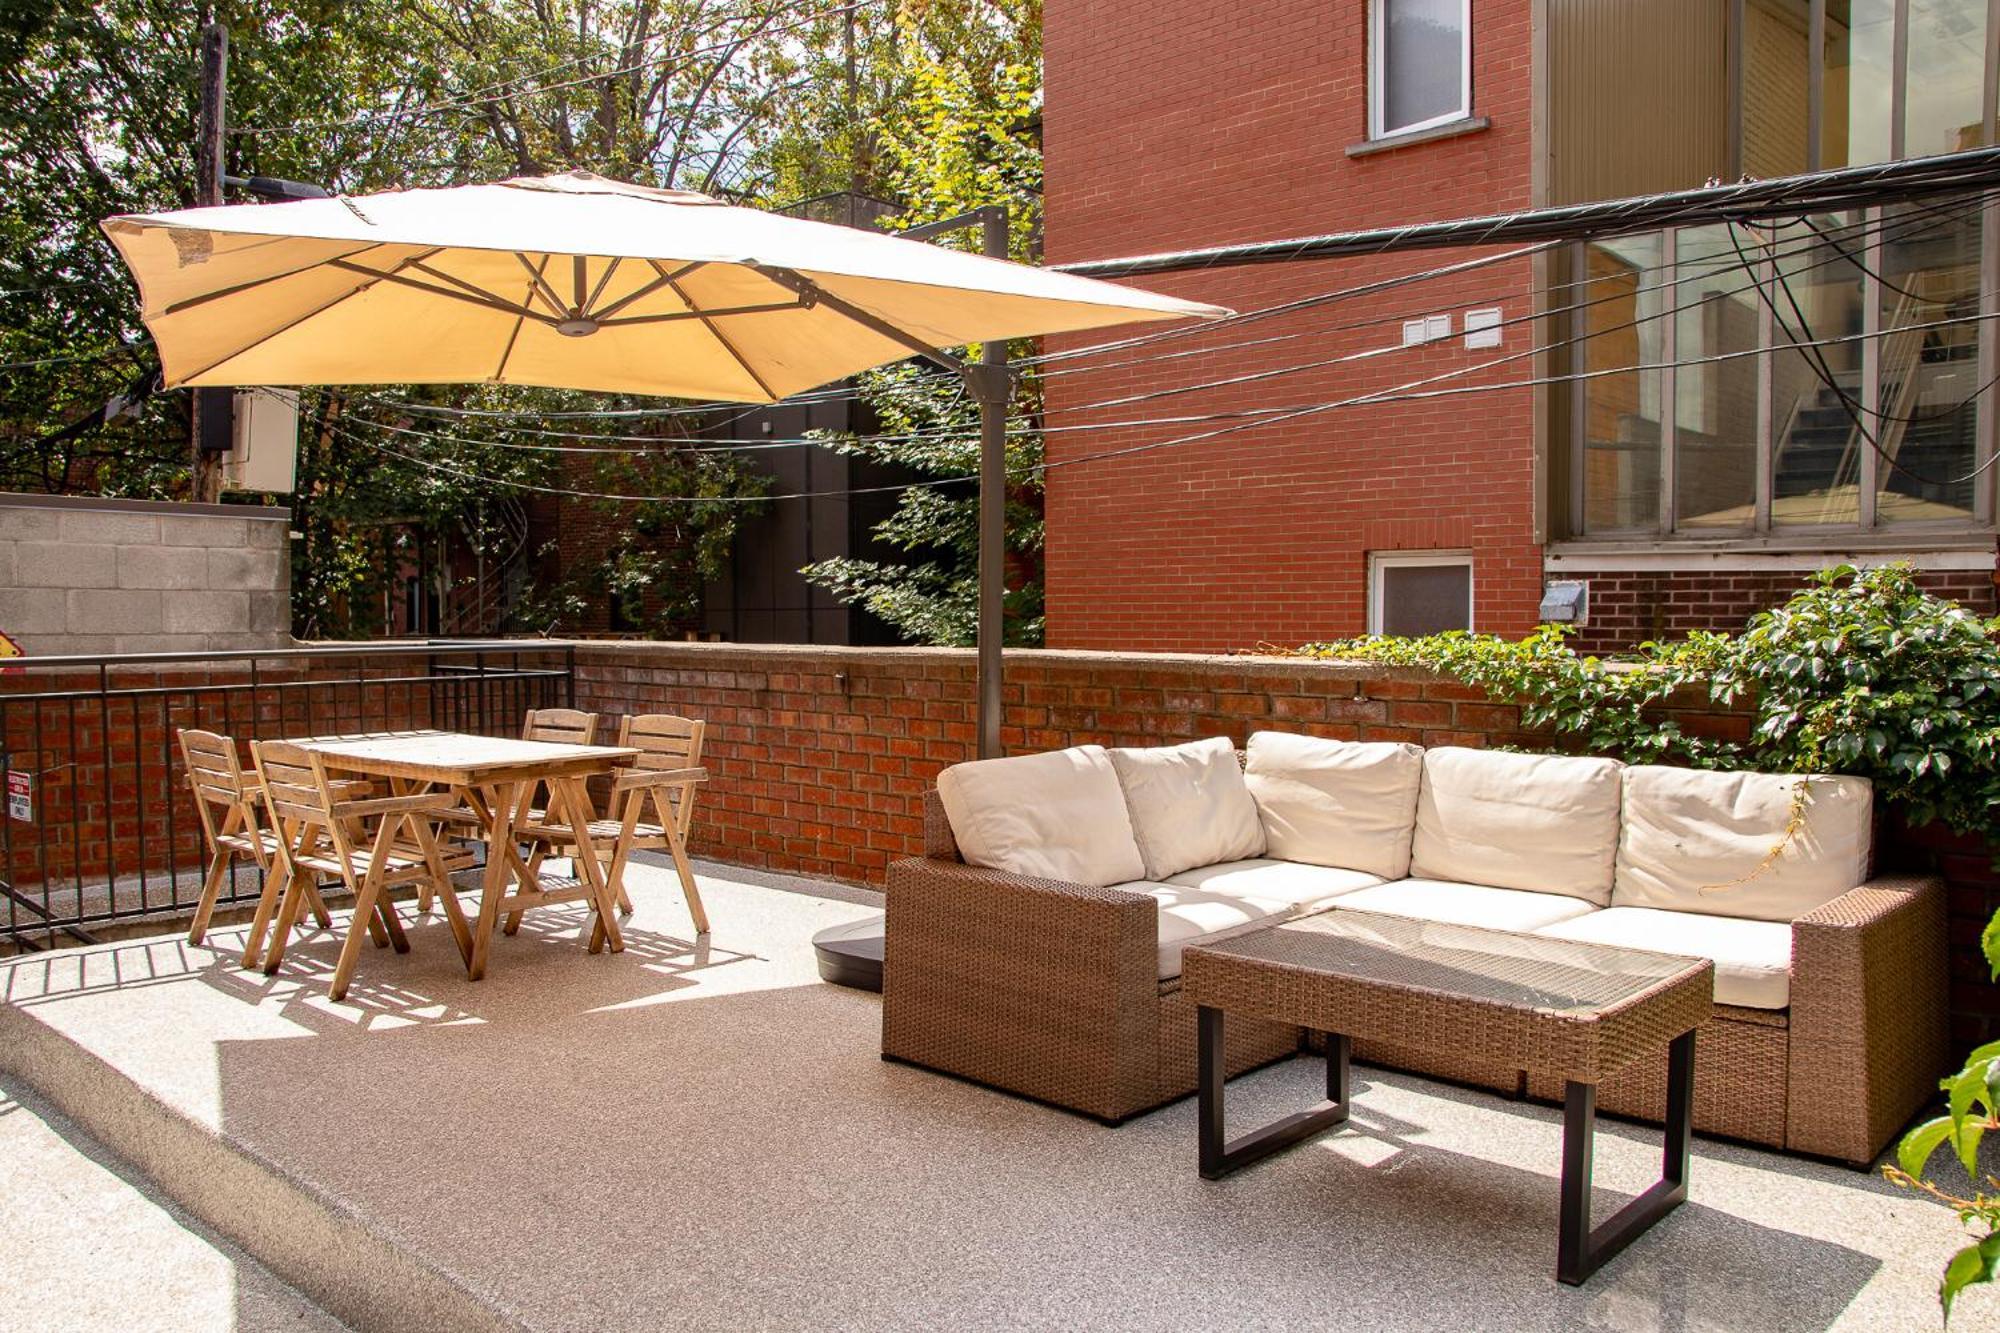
(1943, 110)
(1622, 298)
(1715, 389)
(1422, 65)
(1816, 386)
(1820, 374)
(1927, 435)
(1860, 80)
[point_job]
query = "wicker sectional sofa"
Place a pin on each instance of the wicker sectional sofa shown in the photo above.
(1036, 946)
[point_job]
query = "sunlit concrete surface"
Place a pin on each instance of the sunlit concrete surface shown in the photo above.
(702, 1135)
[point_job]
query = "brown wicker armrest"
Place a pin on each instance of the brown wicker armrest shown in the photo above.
(1868, 1032)
(1042, 987)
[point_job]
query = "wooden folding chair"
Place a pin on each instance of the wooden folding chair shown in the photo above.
(664, 778)
(227, 799)
(557, 726)
(321, 832)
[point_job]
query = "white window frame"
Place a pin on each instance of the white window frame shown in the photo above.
(1379, 561)
(1377, 83)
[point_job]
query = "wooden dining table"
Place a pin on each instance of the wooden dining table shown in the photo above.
(497, 779)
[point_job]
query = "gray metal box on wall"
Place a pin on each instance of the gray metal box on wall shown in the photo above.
(264, 456)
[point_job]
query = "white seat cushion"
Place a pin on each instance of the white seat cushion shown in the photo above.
(1215, 902)
(1188, 805)
(1058, 816)
(1724, 843)
(1753, 959)
(1542, 822)
(1466, 904)
(1336, 803)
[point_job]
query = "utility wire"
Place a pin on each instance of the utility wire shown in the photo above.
(1682, 274)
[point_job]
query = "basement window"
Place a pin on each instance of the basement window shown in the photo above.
(1413, 593)
(1420, 65)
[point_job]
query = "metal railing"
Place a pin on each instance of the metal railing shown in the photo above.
(99, 824)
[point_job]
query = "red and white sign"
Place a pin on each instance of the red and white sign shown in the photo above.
(21, 796)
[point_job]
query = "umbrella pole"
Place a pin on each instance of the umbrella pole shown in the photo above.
(993, 388)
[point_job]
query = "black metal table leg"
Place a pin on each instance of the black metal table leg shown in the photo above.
(1219, 1157)
(1580, 1250)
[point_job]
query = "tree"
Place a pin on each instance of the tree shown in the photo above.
(963, 133)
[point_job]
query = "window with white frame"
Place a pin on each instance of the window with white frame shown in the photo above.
(1420, 65)
(1413, 593)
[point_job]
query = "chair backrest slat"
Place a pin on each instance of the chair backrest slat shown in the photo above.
(213, 768)
(663, 740)
(560, 726)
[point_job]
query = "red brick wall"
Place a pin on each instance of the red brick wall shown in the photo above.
(1628, 607)
(819, 758)
(1181, 124)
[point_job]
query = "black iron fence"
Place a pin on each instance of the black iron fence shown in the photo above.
(99, 824)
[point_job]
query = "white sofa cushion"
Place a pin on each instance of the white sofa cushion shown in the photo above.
(1336, 803)
(1543, 822)
(1188, 805)
(1465, 904)
(1702, 841)
(1753, 959)
(1215, 902)
(1057, 816)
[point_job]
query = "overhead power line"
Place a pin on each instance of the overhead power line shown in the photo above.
(1746, 201)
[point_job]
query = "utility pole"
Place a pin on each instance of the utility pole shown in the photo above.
(214, 409)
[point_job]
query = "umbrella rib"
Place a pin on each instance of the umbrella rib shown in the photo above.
(603, 281)
(488, 302)
(460, 283)
(665, 279)
(548, 293)
(206, 297)
(811, 293)
(716, 333)
(704, 316)
(289, 325)
(513, 336)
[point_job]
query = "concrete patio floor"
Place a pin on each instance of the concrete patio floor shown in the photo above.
(689, 1136)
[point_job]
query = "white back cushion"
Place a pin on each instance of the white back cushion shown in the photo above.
(1336, 803)
(1544, 822)
(1188, 805)
(1723, 843)
(1056, 816)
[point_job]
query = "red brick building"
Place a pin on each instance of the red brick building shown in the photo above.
(1682, 496)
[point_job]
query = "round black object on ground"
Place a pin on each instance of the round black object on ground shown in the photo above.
(851, 955)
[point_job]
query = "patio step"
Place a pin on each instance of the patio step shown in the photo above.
(63, 1199)
(333, 1255)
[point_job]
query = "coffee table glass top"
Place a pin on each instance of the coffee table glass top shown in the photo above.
(1529, 972)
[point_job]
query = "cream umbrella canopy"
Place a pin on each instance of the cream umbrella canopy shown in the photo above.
(579, 282)
(573, 282)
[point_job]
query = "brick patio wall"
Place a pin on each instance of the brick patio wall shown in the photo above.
(819, 757)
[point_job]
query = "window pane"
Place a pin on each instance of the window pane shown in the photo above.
(1859, 78)
(1426, 599)
(1776, 74)
(1423, 61)
(1816, 472)
(1622, 300)
(1947, 71)
(1715, 402)
(1928, 374)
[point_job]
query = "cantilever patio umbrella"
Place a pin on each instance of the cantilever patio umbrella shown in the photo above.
(580, 282)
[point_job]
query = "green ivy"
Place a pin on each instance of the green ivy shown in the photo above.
(1861, 672)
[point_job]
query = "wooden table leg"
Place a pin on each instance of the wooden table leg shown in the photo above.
(577, 812)
(506, 802)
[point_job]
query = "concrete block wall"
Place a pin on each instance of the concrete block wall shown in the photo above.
(90, 575)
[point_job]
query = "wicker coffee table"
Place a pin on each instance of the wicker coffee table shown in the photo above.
(1578, 1011)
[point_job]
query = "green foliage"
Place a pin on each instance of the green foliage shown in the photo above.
(97, 116)
(1601, 705)
(1861, 672)
(964, 134)
(666, 549)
